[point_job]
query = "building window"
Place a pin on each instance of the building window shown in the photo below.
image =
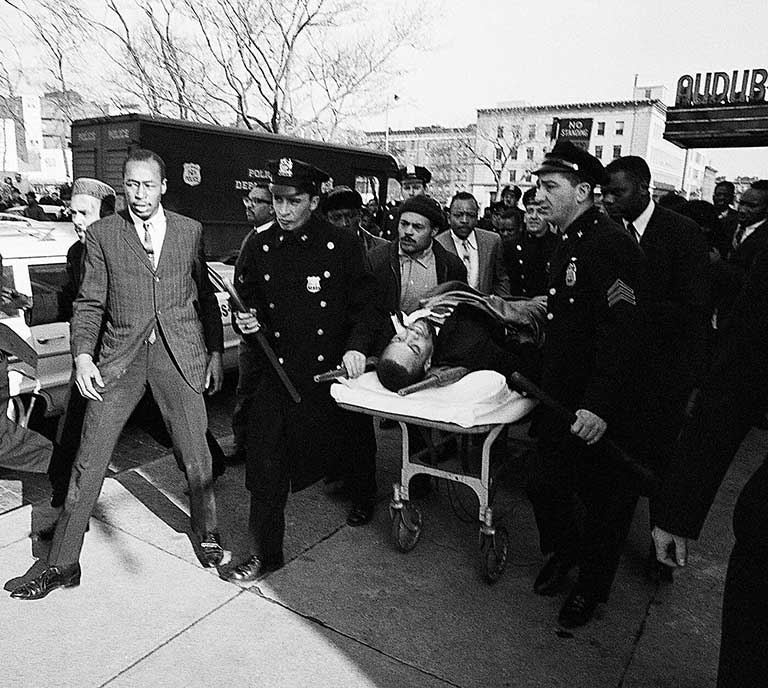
(619, 128)
(599, 152)
(548, 131)
(512, 175)
(513, 154)
(616, 152)
(529, 153)
(527, 176)
(531, 132)
(499, 152)
(499, 132)
(601, 128)
(648, 93)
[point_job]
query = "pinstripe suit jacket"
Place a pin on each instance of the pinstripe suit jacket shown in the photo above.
(123, 293)
(492, 274)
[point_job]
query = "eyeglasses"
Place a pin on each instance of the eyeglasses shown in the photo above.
(251, 202)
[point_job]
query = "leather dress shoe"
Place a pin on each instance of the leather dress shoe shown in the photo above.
(51, 578)
(577, 609)
(211, 551)
(361, 513)
(553, 575)
(251, 570)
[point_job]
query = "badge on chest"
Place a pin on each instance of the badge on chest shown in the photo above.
(313, 284)
(570, 273)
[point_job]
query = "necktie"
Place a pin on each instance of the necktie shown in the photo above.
(465, 253)
(738, 236)
(633, 233)
(148, 247)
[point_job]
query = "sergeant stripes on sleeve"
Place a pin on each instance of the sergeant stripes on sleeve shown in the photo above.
(620, 291)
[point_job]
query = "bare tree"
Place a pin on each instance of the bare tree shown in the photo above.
(495, 145)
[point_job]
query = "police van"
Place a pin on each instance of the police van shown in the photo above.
(34, 263)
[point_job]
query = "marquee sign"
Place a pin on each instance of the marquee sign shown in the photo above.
(720, 110)
(722, 88)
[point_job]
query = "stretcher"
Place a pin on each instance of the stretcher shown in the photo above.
(479, 404)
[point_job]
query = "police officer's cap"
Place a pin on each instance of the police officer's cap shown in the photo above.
(297, 173)
(565, 157)
(414, 173)
(426, 206)
(341, 198)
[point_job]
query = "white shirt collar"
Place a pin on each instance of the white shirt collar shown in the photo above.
(642, 220)
(157, 220)
(471, 240)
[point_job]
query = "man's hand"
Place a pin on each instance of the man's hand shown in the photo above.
(247, 322)
(671, 550)
(214, 373)
(588, 426)
(354, 363)
(88, 377)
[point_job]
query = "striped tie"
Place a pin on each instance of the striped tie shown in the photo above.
(148, 247)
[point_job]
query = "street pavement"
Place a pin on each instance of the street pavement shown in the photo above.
(348, 609)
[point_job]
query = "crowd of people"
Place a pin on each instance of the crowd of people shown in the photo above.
(651, 322)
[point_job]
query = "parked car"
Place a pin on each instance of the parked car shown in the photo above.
(34, 263)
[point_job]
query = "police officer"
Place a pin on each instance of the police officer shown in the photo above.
(527, 253)
(309, 292)
(590, 364)
(413, 182)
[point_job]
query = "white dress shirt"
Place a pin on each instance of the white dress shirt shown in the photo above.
(157, 226)
(641, 222)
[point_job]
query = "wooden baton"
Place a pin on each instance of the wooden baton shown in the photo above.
(269, 352)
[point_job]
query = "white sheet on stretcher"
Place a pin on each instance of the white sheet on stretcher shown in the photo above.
(479, 398)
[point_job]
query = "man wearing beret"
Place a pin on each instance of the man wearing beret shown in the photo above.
(342, 207)
(407, 269)
(590, 365)
(308, 290)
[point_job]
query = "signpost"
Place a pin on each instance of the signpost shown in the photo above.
(577, 131)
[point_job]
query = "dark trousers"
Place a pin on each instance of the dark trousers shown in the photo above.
(569, 469)
(183, 410)
(744, 641)
(67, 442)
(360, 459)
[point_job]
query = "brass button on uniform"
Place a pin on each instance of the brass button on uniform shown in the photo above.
(553, 291)
(550, 316)
(321, 358)
(320, 332)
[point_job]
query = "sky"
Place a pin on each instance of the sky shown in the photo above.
(483, 52)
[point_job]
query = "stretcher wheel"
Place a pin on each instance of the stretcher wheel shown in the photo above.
(494, 552)
(406, 527)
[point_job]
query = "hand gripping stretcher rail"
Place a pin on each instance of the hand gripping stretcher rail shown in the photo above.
(479, 403)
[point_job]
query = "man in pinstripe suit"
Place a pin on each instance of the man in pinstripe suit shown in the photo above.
(146, 285)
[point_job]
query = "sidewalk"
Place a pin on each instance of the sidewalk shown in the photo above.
(347, 609)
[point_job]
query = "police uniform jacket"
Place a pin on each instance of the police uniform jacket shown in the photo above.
(526, 258)
(593, 332)
(315, 300)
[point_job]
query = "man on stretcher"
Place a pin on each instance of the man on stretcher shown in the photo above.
(460, 327)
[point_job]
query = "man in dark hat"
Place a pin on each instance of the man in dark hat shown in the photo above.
(308, 291)
(342, 207)
(413, 180)
(407, 269)
(590, 364)
(33, 210)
